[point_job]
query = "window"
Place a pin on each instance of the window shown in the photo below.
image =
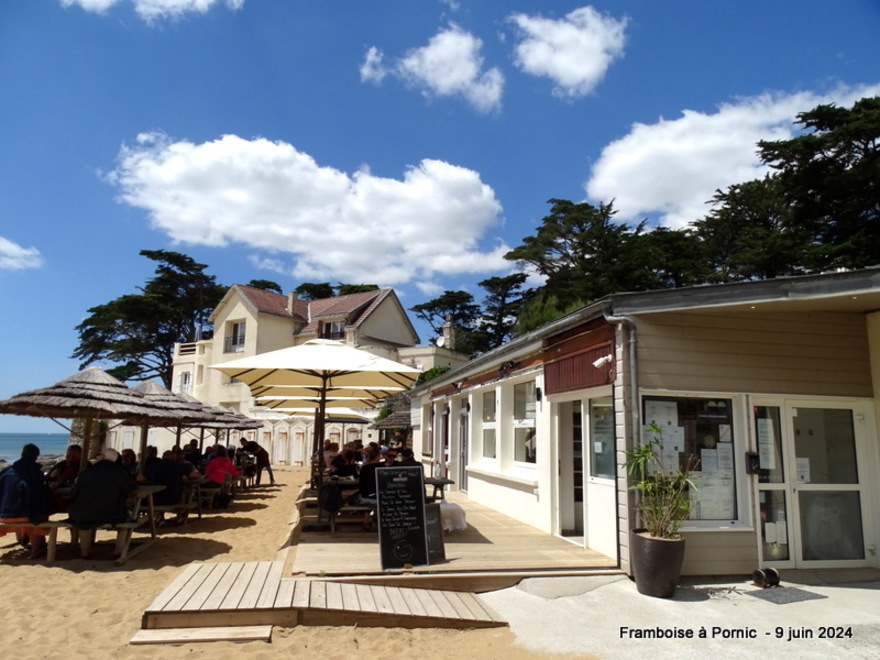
(488, 419)
(185, 385)
(333, 330)
(524, 441)
(602, 438)
(234, 342)
(702, 429)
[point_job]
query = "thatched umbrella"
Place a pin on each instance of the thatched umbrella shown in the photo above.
(91, 394)
(188, 412)
(222, 419)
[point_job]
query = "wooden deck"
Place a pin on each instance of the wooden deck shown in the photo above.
(255, 593)
(495, 551)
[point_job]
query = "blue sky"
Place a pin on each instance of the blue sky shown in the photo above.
(405, 144)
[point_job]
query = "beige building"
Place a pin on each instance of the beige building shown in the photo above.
(249, 321)
(773, 385)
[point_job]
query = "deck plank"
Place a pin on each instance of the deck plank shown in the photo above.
(398, 602)
(301, 594)
(476, 607)
(413, 602)
(365, 598)
(237, 589)
(223, 587)
(172, 589)
(255, 587)
(318, 597)
(284, 597)
(350, 601)
(270, 587)
(207, 587)
(457, 603)
(334, 596)
(447, 611)
(383, 602)
(180, 600)
(207, 634)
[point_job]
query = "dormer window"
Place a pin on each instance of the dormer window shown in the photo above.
(234, 340)
(333, 330)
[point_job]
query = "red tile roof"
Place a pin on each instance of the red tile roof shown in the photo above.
(354, 307)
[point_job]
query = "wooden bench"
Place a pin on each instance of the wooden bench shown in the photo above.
(347, 509)
(52, 526)
(186, 504)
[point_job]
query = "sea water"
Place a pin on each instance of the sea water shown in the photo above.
(49, 443)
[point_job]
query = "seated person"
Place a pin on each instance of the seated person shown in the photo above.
(152, 456)
(100, 496)
(407, 459)
(218, 467)
(367, 483)
(216, 471)
(64, 472)
(192, 453)
(165, 472)
(24, 498)
(344, 465)
(62, 475)
(129, 461)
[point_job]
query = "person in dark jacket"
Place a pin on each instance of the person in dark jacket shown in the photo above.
(100, 496)
(24, 498)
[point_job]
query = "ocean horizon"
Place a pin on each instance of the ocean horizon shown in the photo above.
(49, 444)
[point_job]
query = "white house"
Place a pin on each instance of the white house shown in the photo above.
(772, 385)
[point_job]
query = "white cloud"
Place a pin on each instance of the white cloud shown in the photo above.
(15, 257)
(329, 225)
(450, 65)
(673, 167)
(154, 9)
(574, 52)
(373, 69)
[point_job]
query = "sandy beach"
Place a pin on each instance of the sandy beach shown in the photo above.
(93, 608)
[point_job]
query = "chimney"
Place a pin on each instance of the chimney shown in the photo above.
(291, 302)
(448, 334)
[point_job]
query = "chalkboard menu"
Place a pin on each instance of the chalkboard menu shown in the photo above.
(434, 529)
(403, 539)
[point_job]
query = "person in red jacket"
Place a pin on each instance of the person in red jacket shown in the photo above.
(219, 466)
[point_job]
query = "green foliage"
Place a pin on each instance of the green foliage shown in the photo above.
(266, 285)
(749, 234)
(540, 309)
(382, 414)
(322, 290)
(583, 254)
(662, 490)
(314, 291)
(138, 331)
(430, 374)
(830, 177)
(345, 289)
(501, 308)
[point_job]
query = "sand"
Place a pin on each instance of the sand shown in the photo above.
(92, 608)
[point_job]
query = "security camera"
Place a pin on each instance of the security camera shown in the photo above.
(605, 359)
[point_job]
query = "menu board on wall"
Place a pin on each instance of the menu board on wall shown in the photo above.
(403, 538)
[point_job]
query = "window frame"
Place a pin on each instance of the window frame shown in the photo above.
(740, 432)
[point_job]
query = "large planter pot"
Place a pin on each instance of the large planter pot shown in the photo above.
(656, 563)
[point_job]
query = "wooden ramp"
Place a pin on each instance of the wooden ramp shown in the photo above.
(254, 594)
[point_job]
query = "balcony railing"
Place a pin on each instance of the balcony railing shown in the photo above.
(233, 345)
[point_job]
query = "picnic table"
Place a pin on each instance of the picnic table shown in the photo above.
(439, 484)
(141, 498)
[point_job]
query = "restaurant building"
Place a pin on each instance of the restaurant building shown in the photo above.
(772, 385)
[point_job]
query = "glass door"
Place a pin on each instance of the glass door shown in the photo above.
(809, 487)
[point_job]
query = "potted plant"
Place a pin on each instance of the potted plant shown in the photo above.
(663, 502)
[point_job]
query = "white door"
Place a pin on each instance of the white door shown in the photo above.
(810, 498)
